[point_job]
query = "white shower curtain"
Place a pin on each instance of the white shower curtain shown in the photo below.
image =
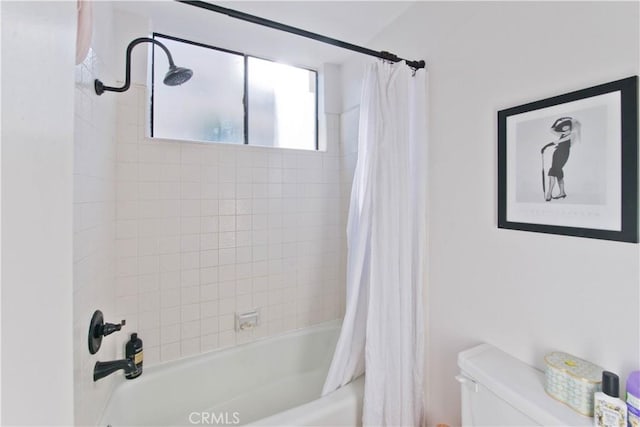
(383, 328)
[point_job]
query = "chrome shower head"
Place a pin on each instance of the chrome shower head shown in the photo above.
(177, 75)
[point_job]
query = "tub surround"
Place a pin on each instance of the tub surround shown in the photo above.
(177, 237)
(205, 231)
(94, 226)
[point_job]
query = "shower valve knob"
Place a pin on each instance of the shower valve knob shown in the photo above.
(110, 328)
(99, 329)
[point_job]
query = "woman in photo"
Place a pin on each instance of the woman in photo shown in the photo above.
(568, 131)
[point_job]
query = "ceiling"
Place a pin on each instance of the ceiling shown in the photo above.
(355, 22)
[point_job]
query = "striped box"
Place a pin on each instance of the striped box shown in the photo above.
(572, 381)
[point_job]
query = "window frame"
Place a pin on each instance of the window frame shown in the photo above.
(245, 97)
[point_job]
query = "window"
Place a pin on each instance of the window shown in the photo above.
(233, 98)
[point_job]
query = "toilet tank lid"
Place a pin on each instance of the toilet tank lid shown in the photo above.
(519, 384)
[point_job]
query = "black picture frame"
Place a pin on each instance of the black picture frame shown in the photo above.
(586, 143)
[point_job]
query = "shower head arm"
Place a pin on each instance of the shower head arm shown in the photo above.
(100, 87)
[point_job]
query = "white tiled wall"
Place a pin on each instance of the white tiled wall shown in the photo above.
(205, 231)
(348, 158)
(177, 237)
(94, 220)
(94, 236)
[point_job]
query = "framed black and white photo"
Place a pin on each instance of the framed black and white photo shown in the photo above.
(569, 164)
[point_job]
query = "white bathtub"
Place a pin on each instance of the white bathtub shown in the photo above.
(275, 381)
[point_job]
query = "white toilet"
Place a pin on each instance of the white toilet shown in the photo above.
(500, 390)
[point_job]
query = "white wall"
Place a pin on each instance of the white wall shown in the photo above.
(526, 293)
(38, 51)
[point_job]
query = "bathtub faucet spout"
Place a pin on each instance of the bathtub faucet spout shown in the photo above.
(102, 369)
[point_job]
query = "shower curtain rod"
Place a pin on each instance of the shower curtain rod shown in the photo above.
(308, 34)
